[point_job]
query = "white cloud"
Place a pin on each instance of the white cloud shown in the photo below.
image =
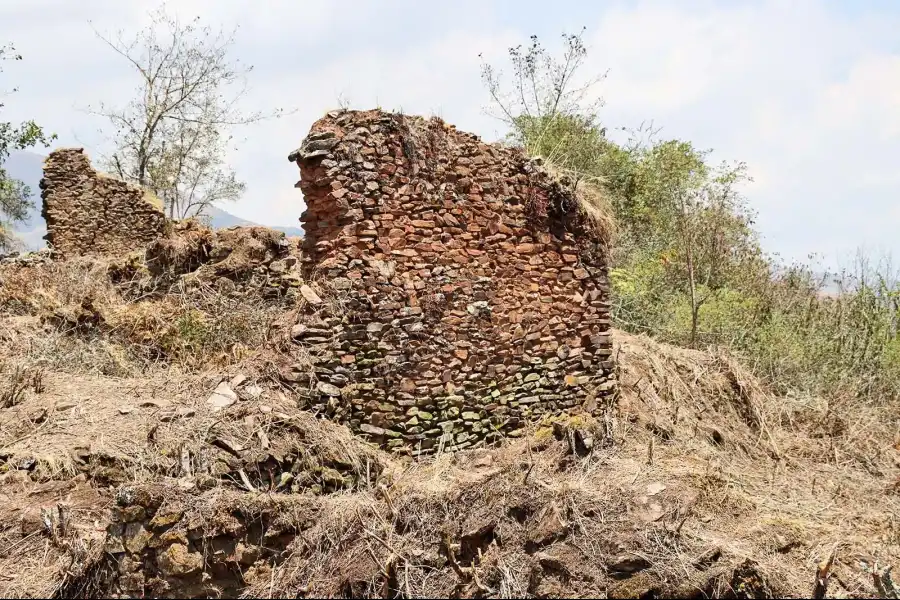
(807, 93)
(869, 97)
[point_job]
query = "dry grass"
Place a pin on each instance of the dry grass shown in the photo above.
(700, 480)
(710, 484)
(47, 551)
(737, 507)
(598, 209)
(592, 200)
(82, 315)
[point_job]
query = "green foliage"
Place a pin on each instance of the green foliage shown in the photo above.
(645, 180)
(569, 142)
(15, 196)
(190, 334)
(684, 231)
(687, 266)
(843, 342)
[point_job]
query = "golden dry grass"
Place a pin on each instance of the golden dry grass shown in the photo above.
(703, 462)
(699, 475)
(592, 200)
(96, 315)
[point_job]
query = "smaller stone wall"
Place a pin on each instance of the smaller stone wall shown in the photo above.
(91, 213)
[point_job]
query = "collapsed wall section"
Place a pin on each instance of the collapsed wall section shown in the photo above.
(88, 212)
(464, 293)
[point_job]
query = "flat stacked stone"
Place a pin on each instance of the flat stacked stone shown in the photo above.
(91, 213)
(461, 291)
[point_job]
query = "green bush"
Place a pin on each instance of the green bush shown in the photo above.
(687, 266)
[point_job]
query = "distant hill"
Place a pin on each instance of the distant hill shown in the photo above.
(28, 167)
(220, 219)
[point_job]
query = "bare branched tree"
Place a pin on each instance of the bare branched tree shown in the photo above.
(173, 136)
(550, 110)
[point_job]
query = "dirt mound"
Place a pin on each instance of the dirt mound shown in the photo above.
(253, 257)
(194, 299)
(700, 484)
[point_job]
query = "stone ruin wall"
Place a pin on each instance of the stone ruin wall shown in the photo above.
(91, 213)
(462, 291)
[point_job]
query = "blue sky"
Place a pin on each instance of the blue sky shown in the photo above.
(806, 92)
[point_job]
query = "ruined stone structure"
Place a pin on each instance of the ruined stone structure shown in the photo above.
(463, 290)
(88, 212)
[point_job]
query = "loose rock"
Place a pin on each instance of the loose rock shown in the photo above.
(222, 397)
(178, 561)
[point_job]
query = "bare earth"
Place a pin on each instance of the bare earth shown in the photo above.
(119, 478)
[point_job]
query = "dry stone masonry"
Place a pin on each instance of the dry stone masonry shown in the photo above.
(88, 212)
(456, 289)
(165, 549)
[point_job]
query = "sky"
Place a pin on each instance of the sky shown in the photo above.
(806, 92)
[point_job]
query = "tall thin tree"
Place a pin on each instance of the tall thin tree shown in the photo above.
(173, 136)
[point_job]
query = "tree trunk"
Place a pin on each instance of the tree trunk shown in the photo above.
(695, 304)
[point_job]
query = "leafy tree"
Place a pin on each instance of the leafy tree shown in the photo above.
(683, 227)
(15, 196)
(173, 136)
(548, 109)
(672, 206)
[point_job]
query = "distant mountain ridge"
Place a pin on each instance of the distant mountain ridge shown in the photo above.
(29, 168)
